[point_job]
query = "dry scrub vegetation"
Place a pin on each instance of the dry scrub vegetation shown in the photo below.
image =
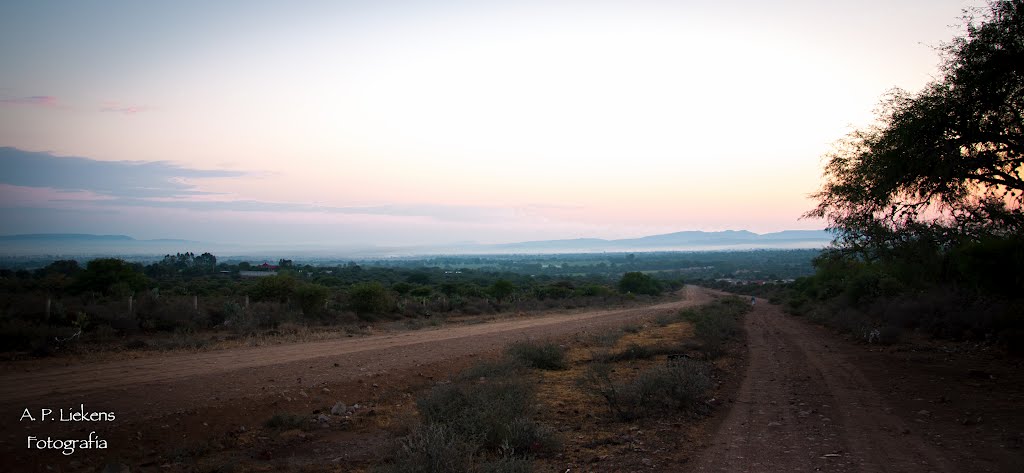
(636, 397)
(604, 400)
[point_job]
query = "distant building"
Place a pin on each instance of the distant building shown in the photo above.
(257, 274)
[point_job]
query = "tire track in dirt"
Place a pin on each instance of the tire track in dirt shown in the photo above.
(803, 406)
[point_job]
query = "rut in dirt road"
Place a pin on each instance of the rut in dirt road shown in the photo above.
(804, 407)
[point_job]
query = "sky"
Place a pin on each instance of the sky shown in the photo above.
(428, 122)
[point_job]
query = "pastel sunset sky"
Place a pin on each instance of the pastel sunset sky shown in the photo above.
(421, 122)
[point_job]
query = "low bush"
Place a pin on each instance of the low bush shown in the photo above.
(495, 413)
(39, 340)
(181, 340)
(432, 448)
(480, 422)
(639, 283)
(678, 386)
(540, 355)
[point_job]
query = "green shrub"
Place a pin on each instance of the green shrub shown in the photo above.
(486, 412)
(639, 283)
(432, 448)
(481, 422)
(277, 288)
(678, 386)
(369, 298)
(40, 340)
(540, 355)
(182, 339)
(312, 299)
(597, 381)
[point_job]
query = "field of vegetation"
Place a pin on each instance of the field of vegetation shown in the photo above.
(659, 372)
(543, 404)
(191, 301)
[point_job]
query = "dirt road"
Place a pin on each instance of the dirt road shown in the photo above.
(180, 398)
(804, 406)
(389, 352)
(808, 401)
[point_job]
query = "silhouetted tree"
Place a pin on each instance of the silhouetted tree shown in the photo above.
(206, 263)
(946, 160)
(104, 274)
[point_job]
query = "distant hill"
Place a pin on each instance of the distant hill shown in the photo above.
(75, 244)
(65, 237)
(681, 241)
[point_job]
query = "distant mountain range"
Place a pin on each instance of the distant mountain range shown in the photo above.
(690, 240)
(83, 244)
(73, 244)
(79, 238)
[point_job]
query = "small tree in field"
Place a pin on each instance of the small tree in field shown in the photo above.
(312, 298)
(369, 298)
(639, 283)
(277, 288)
(502, 289)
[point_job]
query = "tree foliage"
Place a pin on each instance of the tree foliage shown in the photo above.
(277, 288)
(185, 264)
(944, 162)
(104, 275)
(312, 298)
(639, 283)
(928, 204)
(369, 298)
(502, 289)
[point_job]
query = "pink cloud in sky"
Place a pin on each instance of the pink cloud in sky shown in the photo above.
(36, 100)
(117, 107)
